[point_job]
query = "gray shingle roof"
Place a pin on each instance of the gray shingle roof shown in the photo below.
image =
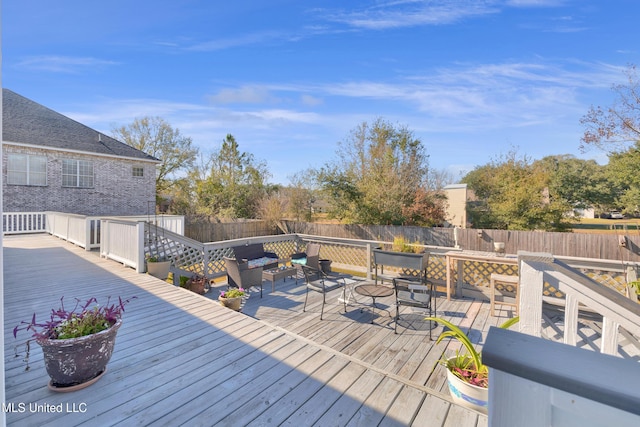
(27, 122)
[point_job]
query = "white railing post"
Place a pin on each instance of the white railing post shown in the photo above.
(87, 234)
(609, 336)
(140, 262)
(104, 241)
(530, 294)
(571, 319)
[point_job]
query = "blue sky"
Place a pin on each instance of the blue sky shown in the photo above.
(290, 79)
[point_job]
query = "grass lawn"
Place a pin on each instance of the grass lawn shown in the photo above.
(601, 225)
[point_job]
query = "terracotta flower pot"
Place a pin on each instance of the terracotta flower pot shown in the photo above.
(468, 395)
(76, 361)
(197, 285)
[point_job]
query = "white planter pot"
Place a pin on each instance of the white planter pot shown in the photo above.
(159, 269)
(468, 395)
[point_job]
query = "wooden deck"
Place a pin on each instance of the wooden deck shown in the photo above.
(182, 359)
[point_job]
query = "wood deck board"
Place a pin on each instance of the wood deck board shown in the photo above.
(182, 359)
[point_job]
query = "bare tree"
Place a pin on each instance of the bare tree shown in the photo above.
(618, 126)
(156, 137)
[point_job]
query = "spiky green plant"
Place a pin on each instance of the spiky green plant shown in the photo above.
(466, 366)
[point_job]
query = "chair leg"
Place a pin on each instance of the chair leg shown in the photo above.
(322, 309)
(344, 298)
(305, 301)
(395, 326)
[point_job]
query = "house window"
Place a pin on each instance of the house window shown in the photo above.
(138, 171)
(23, 169)
(77, 173)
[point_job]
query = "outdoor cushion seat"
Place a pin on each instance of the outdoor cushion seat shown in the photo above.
(256, 256)
(260, 262)
(310, 257)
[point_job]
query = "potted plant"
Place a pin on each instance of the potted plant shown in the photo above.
(467, 376)
(400, 244)
(158, 267)
(195, 283)
(77, 344)
(232, 298)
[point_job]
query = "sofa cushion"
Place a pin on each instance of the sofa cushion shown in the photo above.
(261, 262)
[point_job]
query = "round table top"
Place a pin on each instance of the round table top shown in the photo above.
(373, 290)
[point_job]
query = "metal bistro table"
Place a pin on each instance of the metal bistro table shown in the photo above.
(370, 289)
(276, 274)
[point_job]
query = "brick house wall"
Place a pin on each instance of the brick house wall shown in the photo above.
(115, 192)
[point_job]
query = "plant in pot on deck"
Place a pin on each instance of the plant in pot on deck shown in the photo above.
(232, 298)
(158, 266)
(77, 344)
(467, 376)
(195, 283)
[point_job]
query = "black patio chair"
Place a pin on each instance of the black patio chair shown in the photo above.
(416, 294)
(318, 281)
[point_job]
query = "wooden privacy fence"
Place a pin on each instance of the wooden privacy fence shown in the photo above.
(206, 231)
(623, 246)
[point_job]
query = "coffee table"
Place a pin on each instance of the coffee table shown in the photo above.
(276, 274)
(370, 289)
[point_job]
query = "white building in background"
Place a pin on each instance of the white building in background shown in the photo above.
(456, 212)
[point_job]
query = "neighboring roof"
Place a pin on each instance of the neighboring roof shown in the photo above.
(455, 186)
(27, 122)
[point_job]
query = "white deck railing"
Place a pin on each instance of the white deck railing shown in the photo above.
(579, 388)
(582, 293)
(173, 223)
(534, 381)
(23, 222)
(123, 241)
(78, 229)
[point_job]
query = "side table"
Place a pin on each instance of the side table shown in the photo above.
(279, 273)
(370, 289)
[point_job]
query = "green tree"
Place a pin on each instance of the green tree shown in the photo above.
(581, 183)
(513, 194)
(622, 172)
(156, 137)
(381, 177)
(232, 183)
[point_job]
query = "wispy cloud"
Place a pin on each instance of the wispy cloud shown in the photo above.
(240, 40)
(63, 64)
(244, 95)
(310, 101)
(396, 14)
(490, 95)
(536, 3)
